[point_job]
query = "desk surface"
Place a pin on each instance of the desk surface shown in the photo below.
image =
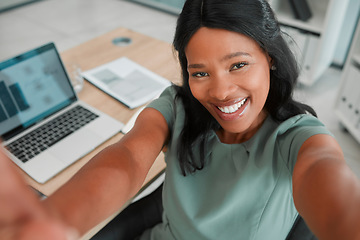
(153, 54)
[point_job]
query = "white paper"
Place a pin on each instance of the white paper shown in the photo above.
(127, 81)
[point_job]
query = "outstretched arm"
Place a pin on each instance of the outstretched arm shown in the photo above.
(326, 192)
(104, 184)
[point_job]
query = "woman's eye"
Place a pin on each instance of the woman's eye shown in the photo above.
(199, 74)
(238, 66)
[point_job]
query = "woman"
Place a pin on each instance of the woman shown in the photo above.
(243, 158)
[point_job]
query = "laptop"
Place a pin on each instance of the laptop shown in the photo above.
(43, 125)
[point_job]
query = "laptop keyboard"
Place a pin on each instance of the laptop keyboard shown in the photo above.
(50, 133)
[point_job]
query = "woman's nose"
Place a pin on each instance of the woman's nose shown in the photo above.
(221, 88)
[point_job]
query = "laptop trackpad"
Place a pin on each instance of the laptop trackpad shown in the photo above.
(75, 146)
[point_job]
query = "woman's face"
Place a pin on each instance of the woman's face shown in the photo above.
(229, 74)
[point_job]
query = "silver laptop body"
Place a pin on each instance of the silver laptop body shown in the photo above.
(43, 125)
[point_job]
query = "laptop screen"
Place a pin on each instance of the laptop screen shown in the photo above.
(33, 86)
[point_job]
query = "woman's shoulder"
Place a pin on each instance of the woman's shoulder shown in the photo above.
(168, 95)
(168, 105)
(301, 122)
(296, 129)
(290, 126)
(293, 132)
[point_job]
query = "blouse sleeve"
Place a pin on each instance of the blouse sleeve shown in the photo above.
(300, 129)
(165, 105)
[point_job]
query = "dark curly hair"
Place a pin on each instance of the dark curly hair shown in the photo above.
(253, 18)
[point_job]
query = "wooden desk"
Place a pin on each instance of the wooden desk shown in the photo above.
(153, 54)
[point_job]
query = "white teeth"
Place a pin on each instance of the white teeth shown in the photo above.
(232, 108)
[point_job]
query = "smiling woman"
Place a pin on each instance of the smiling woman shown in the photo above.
(250, 40)
(243, 159)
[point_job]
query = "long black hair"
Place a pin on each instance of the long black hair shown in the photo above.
(253, 18)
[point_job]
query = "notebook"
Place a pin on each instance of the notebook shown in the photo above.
(43, 125)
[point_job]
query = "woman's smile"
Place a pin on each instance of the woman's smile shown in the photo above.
(233, 111)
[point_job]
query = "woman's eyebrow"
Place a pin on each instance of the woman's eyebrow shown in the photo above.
(196, 65)
(235, 54)
(226, 57)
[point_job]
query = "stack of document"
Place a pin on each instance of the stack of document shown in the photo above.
(127, 81)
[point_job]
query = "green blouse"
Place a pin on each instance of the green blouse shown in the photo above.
(244, 190)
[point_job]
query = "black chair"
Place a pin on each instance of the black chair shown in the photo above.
(300, 231)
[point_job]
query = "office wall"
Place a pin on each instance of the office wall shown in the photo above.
(349, 26)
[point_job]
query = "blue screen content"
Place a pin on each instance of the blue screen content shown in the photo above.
(32, 87)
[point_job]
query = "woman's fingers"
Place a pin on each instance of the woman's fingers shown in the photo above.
(22, 215)
(17, 200)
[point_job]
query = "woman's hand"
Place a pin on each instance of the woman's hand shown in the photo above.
(22, 214)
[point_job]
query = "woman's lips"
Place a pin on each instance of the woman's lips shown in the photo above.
(232, 108)
(233, 111)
